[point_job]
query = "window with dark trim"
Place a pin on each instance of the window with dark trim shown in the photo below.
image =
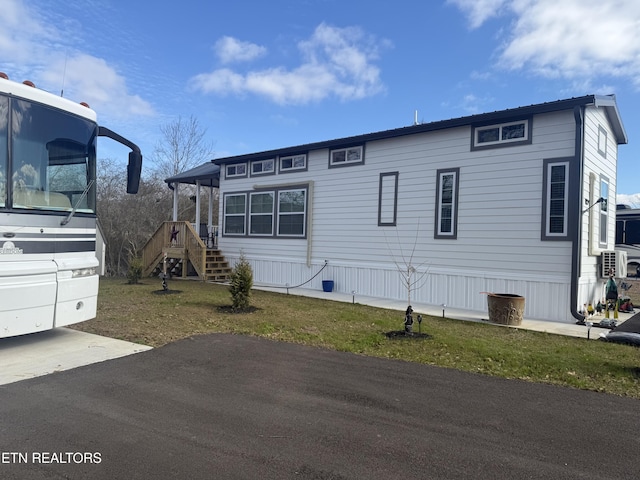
(346, 156)
(447, 203)
(262, 167)
(501, 134)
(602, 141)
(293, 162)
(261, 213)
(604, 211)
(277, 212)
(388, 199)
(555, 200)
(235, 170)
(235, 213)
(292, 212)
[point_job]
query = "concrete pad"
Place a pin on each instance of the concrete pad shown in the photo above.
(30, 356)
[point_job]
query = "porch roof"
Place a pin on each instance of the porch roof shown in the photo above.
(208, 174)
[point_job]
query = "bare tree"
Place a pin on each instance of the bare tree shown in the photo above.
(412, 276)
(128, 221)
(181, 147)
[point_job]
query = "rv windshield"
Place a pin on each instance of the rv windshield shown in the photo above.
(52, 158)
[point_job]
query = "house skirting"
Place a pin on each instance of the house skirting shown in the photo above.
(547, 297)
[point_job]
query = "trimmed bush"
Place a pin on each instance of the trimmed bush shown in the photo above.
(241, 284)
(134, 273)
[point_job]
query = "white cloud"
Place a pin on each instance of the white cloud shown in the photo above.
(335, 62)
(92, 80)
(231, 50)
(569, 39)
(31, 47)
(479, 11)
(632, 199)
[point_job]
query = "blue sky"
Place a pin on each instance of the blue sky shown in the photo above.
(260, 75)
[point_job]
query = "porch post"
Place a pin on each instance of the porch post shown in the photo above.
(210, 213)
(175, 202)
(197, 222)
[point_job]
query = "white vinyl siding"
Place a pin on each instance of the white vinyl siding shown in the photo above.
(501, 212)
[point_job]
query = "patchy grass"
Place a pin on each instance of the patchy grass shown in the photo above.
(141, 314)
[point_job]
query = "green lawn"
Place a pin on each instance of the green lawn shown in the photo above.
(142, 314)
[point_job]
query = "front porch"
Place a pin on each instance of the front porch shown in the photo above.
(182, 248)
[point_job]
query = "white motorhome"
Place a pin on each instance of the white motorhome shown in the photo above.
(48, 265)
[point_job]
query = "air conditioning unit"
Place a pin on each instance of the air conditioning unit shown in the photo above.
(615, 260)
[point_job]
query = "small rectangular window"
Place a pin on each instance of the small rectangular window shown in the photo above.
(447, 203)
(486, 136)
(346, 156)
(236, 170)
(262, 167)
(555, 200)
(293, 162)
(235, 214)
(602, 141)
(388, 199)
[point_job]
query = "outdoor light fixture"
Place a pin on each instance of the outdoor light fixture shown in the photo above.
(600, 200)
(444, 305)
(589, 325)
(353, 296)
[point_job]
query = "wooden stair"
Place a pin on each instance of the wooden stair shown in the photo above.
(216, 268)
(185, 254)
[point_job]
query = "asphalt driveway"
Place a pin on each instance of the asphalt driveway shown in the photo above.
(236, 407)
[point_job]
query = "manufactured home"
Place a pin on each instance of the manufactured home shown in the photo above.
(519, 201)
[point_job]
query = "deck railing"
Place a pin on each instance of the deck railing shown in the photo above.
(177, 240)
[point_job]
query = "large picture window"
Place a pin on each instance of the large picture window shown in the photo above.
(447, 203)
(555, 200)
(280, 212)
(235, 214)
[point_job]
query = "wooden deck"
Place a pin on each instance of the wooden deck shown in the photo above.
(176, 248)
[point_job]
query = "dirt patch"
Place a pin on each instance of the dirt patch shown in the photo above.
(401, 334)
(231, 309)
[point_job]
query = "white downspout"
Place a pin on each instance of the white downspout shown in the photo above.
(592, 183)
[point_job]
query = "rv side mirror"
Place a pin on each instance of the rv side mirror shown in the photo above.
(133, 172)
